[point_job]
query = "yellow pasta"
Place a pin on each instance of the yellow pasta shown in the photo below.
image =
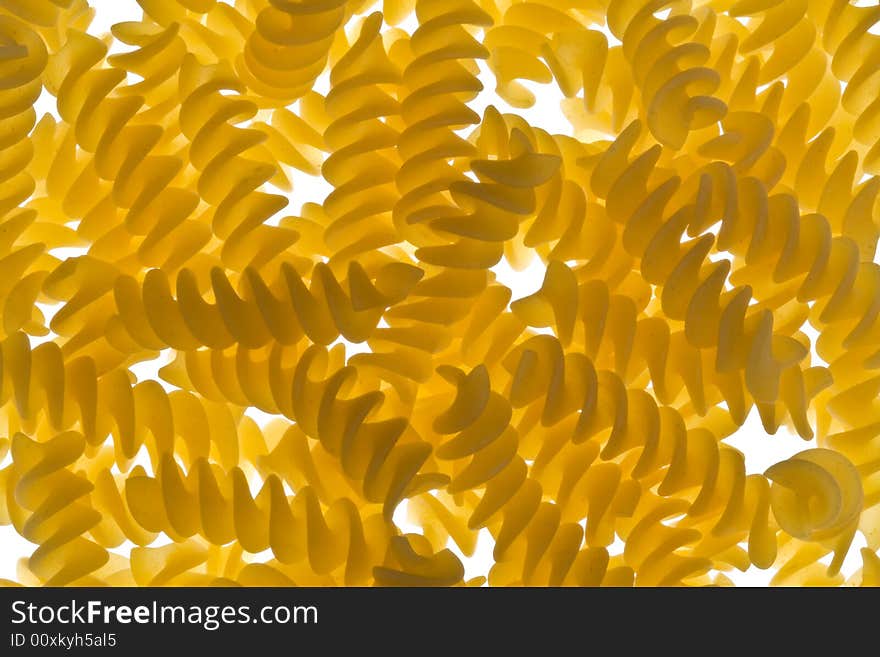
(350, 391)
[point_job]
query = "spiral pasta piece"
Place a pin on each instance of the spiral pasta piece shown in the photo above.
(262, 321)
(51, 395)
(289, 46)
(429, 141)
(48, 495)
(295, 530)
(363, 163)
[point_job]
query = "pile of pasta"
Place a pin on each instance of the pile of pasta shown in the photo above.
(707, 227)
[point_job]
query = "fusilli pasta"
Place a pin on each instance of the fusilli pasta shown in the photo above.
(707, 231)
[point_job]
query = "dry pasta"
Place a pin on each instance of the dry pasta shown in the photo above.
(707, 231)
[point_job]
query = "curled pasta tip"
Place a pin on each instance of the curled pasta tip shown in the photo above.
(870, 568)
(409, 567)
(816, 494)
